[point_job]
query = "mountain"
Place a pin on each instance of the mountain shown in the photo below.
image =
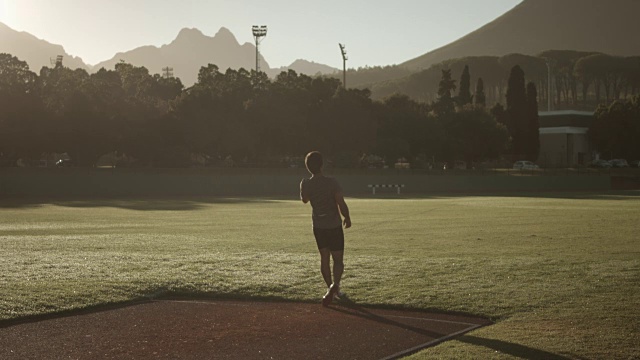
(535, 26)
(186, 55)
(301, 66)
(189, 52)
(36, 52)
(192, 49)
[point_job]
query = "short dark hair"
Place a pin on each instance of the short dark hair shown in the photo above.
(313, 161)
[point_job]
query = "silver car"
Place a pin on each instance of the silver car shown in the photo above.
(525, 165)
(619, 163)
(600, 164)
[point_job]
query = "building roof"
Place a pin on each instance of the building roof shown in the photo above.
(565, 112)
(563, 130)
(565, 118)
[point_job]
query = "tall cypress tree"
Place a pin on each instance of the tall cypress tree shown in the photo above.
(464, 93)
(533, 123)
(517, 111)
(445, 103)
(480, 97)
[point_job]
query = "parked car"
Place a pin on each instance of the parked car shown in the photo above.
(525, 165)
(402, 163)
(634, 163)
(600, 164)
(64, 163)
(619, 163)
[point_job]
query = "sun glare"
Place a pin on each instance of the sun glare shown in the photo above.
(8, 12)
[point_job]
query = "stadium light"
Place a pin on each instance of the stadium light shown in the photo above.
(343, 50)
(259, 32)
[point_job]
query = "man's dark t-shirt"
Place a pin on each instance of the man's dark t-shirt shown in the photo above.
(321, 192)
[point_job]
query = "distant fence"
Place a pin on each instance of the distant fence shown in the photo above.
(44, 182)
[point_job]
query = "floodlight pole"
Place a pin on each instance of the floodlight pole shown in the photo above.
(343, 50)
(57, 61)
(259, 32)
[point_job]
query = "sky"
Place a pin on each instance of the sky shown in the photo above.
(375, 32)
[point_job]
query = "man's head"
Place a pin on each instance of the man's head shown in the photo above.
(313, 161)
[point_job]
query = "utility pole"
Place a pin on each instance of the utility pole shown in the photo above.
(343, 50)
(259, 32)
(167, 72)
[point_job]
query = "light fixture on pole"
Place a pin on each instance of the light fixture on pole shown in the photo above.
(57, 61)
(259, 32)
(343, 50)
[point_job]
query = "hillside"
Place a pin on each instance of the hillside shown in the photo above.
(36, 52)
(538, 25)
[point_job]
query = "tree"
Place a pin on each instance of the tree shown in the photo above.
(616, 129)
(517, 111)
(500, 114)
(350, 123)
(634, 74)
(22, 115)
(84, 113)
(464, 93)
(136, 81)
(564, 62)
(480, 98)
(445, 103)
(583, 73)
(592, 69)
(15, 75)
(473, 135)
(406, 130)
(208, 75)
(533, 123)
(165, 88)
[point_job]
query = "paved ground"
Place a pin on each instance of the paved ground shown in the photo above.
(179, 329)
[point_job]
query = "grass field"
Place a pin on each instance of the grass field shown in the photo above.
(559, 274)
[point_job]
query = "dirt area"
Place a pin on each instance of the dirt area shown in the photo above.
(191, 329)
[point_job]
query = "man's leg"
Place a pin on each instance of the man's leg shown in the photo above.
(334, 289)
(325, 267)
(338, 266)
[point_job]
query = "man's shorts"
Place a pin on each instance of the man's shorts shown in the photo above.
(329, 238)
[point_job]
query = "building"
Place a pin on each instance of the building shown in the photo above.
(563, 138)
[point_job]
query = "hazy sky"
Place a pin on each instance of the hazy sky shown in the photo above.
(375, 32)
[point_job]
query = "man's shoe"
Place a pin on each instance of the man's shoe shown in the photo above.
(331, 292)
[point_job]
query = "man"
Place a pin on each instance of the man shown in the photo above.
(328, 204)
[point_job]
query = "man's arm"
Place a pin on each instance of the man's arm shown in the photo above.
(344, 210)
(303, 196)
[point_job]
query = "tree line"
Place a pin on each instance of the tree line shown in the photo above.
(616, 129)
(245, 118)
(579, 80)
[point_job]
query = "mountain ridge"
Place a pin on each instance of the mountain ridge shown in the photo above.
(222, 49)
(534, 26)
(38, 55)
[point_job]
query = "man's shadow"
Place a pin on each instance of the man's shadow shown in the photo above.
(349, 307)
(513, 349)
